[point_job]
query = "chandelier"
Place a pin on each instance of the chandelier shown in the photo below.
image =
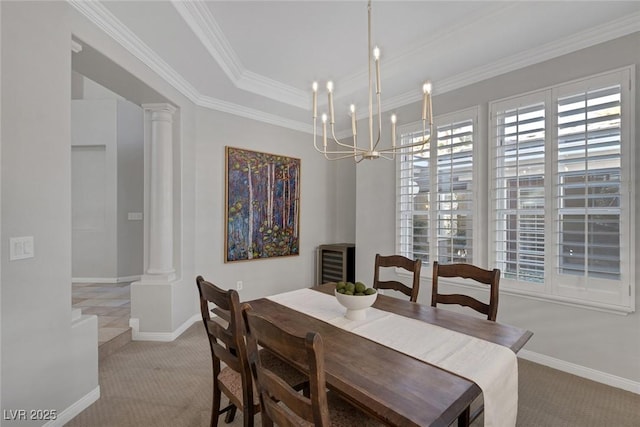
(372, 150)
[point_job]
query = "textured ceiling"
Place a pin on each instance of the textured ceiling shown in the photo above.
(258, 58)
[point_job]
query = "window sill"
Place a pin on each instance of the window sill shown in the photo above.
(588, 305)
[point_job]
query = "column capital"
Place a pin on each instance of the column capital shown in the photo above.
(159, 107)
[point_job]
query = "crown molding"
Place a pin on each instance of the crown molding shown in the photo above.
(263, 86)
(250, 113)
(596, 35)
(396, 63)
(103, 19)
(108, 23)
(199, 19)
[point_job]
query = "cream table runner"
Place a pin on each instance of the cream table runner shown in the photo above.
(494, 368)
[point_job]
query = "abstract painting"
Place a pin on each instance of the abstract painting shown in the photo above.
(262, 205)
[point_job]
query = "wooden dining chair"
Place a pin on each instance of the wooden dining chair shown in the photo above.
(226, 340)
(480, 275)
(282, 404)
(467, 271)
(398, 261)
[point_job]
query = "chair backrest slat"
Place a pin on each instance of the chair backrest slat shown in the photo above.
(467, 271)
(398, 261)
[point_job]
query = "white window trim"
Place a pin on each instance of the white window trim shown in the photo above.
(483, 214)
(626, 304)
(473, 114)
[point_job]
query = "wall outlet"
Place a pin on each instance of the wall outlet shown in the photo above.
(239, 285)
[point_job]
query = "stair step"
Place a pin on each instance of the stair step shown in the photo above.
(107, 348)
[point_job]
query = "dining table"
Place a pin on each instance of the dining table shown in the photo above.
(392, 386)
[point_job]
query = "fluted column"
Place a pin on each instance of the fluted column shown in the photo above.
(160, 230)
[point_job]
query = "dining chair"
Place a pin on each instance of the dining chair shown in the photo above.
(282, 404)
(226, 340)
(398, 261)
(467, 271)
(480, 275)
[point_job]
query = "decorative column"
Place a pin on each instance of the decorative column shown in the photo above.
(159, 119)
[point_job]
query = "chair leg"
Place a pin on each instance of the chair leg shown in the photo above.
(463, 419)
(247, 416)
(230, 415)
(215, 406)
(266, 421)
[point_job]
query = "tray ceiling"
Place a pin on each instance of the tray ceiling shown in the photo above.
(258, 58)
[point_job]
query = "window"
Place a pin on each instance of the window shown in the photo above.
(435, 197)
(519, 194)
(554, 206)
(560, 196)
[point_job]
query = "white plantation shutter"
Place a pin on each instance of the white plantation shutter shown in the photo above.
(589, 183)
(561, 168)
(454, 195)
(413, 196)
(435, 197)
(593, 228)
(519, 192)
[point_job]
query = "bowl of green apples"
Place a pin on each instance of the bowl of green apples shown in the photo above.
(356, 298)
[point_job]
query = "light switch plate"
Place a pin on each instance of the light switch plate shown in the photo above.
(21, 248)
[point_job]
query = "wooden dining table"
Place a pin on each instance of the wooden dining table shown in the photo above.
(391, 386)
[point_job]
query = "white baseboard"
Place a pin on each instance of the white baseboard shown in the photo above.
(105, 279)
(68, 414)
(136, 335)
(581, 371)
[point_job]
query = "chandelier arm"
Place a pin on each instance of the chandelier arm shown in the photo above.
(358, 160)
(403, 147)
(348, 153)
(342, 144)
(346, 156)
(315, 132)
(392, 157)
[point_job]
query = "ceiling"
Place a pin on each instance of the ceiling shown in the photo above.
(257, 59)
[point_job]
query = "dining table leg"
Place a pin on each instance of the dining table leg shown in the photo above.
(463, 418)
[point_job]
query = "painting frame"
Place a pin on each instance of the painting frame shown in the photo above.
(261, 204)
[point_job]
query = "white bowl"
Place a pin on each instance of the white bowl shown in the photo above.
(356, 305)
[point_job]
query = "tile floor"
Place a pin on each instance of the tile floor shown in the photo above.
(111, 302)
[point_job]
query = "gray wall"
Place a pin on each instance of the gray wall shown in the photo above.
(36, 200)
(320, 213)
(48, 360)
(107, 183)
(604, 342)
(130, 189)
(94, 189)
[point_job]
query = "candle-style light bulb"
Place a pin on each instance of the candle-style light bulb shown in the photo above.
(330, 90)
(314, 87)
(324, 131)
(353, 118)
(393, 130)
(429, 113)
(376, 55)
(426, 101)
